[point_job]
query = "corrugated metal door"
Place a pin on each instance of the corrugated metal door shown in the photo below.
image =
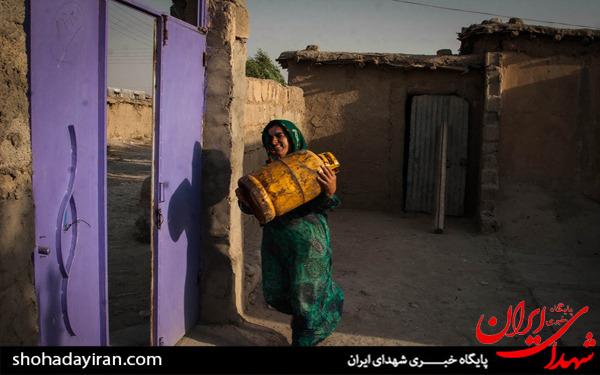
(427, 113)
(177, 162)
(68, 127)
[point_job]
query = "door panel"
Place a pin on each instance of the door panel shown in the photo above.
(177, 219)
(428, 112)
(68, 120)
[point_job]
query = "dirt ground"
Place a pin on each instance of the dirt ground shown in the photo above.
(403, 284)
(129, 273)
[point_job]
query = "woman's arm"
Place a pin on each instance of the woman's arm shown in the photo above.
(243, 202)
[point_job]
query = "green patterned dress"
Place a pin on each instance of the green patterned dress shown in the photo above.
(297, 265)
(296, 271)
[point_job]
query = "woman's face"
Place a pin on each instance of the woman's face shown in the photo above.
(279, 140)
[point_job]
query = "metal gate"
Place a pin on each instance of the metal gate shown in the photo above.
(68, 122)
(68, 126)
(177, 168)
(427, 113)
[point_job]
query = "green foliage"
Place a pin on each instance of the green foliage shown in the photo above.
(261, 66)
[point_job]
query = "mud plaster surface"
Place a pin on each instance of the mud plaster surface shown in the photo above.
(403, 284)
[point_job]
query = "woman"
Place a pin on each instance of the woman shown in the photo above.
(296, 253)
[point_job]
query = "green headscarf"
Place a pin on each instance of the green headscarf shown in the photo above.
(294, 135)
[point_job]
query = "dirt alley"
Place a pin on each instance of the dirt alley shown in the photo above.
(403, 284)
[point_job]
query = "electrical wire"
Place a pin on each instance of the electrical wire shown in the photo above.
(492, 14)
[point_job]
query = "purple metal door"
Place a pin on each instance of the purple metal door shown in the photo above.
(68, 130)
(177, 219)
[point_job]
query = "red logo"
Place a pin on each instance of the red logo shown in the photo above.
(516, 324)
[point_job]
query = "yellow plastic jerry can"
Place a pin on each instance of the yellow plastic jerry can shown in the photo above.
(285, 184)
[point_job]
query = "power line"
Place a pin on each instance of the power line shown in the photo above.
(115, 21)
(492, 14)
(123, 18)
(127, 34)
(145, 21)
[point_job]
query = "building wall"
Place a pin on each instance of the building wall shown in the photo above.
(221, 283)
(360, 115)
(129, 118)
(550, 123)
(265, 100)
(18, 306)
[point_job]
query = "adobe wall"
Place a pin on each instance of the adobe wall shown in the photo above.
(18, 315)
(265, 100)
(359, 113)
(550, 123)
(129, 118)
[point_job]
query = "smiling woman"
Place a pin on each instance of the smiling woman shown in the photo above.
(296, 250)
(278, 141)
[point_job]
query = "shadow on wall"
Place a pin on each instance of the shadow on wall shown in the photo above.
(254, 158)
(549, 132)
(185, 216)
(216, 272)
(362, 182)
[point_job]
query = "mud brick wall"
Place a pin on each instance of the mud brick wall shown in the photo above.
(265, 100)
(359, 111)
(550, 124)
(18, 313)
(541, 123)
(129, 118)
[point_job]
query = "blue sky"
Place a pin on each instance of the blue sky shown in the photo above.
(389, 26)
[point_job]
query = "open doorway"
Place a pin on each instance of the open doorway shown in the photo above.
(131, 73)
(159, 154)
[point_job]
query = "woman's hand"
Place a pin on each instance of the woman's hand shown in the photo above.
(327, 179)
(241, 197)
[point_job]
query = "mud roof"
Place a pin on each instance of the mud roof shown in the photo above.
(516, 28)
(444, 59)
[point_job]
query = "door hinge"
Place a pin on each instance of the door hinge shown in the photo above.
(161, 341)
(165, 31)
(158, 218)
(204, 59)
